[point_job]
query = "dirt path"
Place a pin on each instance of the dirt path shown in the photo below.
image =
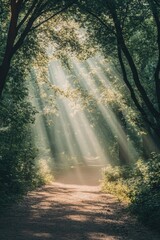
(63, 211)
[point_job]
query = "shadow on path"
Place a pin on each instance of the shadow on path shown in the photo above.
(65, 212)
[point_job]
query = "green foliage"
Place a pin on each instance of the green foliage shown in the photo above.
(114, 181)
(130, 28)
(139, 186)
(145, 193)
(18, 171)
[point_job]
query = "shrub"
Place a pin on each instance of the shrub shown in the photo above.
(145, 194)
(139, 186)
(114, 181)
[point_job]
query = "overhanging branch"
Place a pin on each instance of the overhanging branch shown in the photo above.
(95, 16)
(52, 16)
(27, 14)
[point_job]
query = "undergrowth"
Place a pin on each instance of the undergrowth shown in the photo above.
(139, 186)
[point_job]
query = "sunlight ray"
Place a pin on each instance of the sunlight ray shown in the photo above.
(109, 115)
(85, 135)
(78, 136)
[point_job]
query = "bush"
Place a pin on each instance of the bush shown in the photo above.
(139, 186)
(145, 193)
(114, 181)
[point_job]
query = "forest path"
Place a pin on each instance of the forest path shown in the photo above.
(62, 211)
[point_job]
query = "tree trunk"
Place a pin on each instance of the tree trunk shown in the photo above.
(4, 69)
(12, 33)
(121, 45)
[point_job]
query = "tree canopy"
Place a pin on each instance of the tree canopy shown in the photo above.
(129, 32)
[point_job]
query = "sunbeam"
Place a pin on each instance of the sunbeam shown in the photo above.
(85, 129)
(94, 86)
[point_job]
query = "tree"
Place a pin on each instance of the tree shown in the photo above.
(122, 24)
(25, 17)
(18, 170)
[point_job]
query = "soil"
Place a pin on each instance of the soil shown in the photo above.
(71, 209)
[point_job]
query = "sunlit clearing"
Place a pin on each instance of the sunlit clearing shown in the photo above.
(85, 132)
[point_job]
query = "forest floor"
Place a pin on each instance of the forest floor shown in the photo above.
(69, 209)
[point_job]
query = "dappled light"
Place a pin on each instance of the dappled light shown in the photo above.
(62, 211)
